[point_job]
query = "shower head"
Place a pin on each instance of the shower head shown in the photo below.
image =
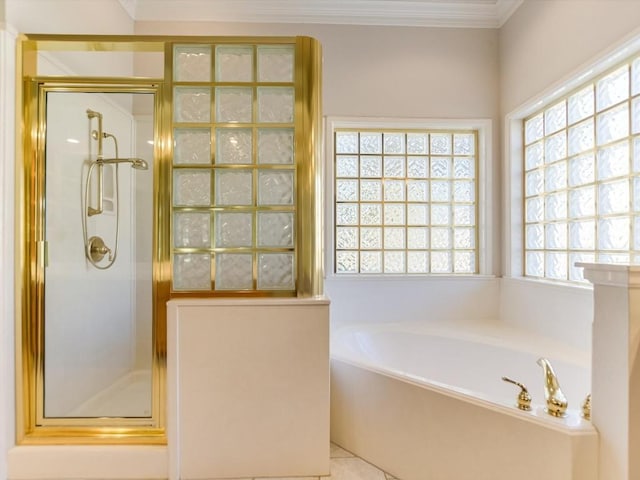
(93, 114)
(137, 163)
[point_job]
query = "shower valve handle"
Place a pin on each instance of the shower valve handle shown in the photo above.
(524, 399)
(98, 249)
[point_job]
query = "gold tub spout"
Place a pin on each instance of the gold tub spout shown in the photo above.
(556, 401)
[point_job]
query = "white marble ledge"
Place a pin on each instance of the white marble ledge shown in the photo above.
(248, 301)
(617, 275)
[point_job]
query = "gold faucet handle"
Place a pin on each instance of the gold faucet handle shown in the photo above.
(524, 399)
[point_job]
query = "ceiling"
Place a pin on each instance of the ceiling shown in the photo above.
(422, 13)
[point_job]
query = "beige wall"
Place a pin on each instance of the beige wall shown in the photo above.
(546, 40)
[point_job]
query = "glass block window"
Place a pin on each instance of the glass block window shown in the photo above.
(405, 202)
(234, 168)
(582, 178)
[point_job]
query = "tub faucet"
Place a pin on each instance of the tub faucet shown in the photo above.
(556, 401)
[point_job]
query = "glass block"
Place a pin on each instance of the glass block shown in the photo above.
(613, 233)
(441, 262)
(394, 167)
(417, 167)
(613, 88)
(234, 145)
(234, 187)
(394, 191)
(440, 215)
(347, 190)
(533, 129)
(346, 237)
(636, 154)
(234, 104)
(635, 115)
(555, 147)
(394, 262)
(371, 214)
(275, 187)
(555, 176)
(534, 209)
(464, 262)
(580, 105)
(622, 258)
(582, 235)
(441, 144)
(347, 214)
(371, 238)
(636, 233)
(417, 190)
(576, 274)
(533, 182)
(613, 160)
(394, 143)
(394, 237)
(192, 104)
(582, 202)
(347, 262)
(191, 187)
(636, 194)
(276, 63)
(370, 190)
(192, 146)
(371, 166)
(417, 262)
(555, 235)
(275, 146)
(533, 155)
(191, 271)
(613, 197)
(441, 237)
(417, 215)
(555, 118)
(464, 215)
(233, 229)
(191, 229)
(534, 264)
(346, 166)
(234, 63)
(370, 262)
(417, 143)
(192, 63)
(394, 214)
(464, 237)
(275, 104)
(275, 229)
(346, 142)
(556, 265)
(635, 77)
(440, 191)
(370, 142)
(464, 144)
(417, 238)
(581, 137)
(556, 206)
(581, 170)
(534, 236)
(463, 191)
(276, 271)
(234, 271)
(441, 167)
(612, 125)
(463, 167)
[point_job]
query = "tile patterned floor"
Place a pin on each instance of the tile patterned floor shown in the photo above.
(344, 466)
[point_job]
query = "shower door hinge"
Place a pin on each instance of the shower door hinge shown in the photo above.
(44, 253)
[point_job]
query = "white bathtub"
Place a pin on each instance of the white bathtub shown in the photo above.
(427, 402)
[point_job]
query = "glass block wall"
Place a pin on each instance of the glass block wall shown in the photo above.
(234, 218)
(582, 178)
(405, 202)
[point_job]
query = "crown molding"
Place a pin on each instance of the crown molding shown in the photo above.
(418, 13)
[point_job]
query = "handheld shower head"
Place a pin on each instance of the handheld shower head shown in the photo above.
(137, 163)
(93, 114)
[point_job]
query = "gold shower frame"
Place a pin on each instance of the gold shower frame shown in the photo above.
(32, 427)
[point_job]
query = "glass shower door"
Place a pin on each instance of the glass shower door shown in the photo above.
(98, 302)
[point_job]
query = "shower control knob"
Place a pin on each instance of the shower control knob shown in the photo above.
(97, 249)
(524, 399)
